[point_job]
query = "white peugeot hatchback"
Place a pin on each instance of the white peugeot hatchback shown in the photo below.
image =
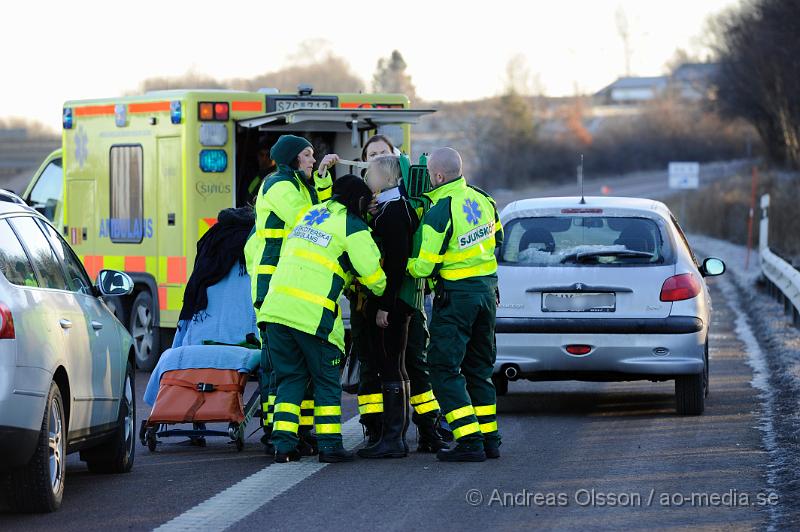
(602, 289)
(66, 363)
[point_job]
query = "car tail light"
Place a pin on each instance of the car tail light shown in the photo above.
(6, 323)
(221, 111)
(205, 111)
(680, 287)
(579, 349)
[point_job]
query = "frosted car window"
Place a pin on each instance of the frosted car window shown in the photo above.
(595, 240)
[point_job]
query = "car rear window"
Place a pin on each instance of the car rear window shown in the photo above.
(14, 263)
(581, 240)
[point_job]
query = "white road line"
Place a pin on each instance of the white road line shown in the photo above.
(248, 495)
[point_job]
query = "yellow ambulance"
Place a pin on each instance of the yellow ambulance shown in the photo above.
(139, 179)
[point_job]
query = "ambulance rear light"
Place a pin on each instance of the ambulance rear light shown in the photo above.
(221, 111)
(208, 111)
(205, 111)
(66, 118)
(213, 160)
(213, 134)
(175, 112)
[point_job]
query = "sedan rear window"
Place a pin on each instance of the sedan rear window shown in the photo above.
(584, 240)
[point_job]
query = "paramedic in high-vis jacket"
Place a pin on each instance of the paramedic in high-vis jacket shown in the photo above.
(459, 234)
(330, 246)
(282, 198)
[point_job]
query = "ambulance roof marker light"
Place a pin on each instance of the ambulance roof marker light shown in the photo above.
(175, 111)
(66, 118)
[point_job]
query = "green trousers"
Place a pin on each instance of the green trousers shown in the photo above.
(461, 355)
(267, 387)
(297, 357)
(370, 396)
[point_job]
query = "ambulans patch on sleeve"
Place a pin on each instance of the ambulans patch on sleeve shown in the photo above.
(479, 234)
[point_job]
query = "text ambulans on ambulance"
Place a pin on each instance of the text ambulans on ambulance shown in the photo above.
(144, 177)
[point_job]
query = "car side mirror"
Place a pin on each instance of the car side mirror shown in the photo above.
(712, 267)
(114, 283)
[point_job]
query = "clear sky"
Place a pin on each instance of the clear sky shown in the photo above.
(55, 50)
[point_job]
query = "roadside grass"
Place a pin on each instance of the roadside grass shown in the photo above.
(721, 210)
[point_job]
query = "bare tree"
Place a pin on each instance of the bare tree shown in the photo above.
(759, 76)
(391, 76)
(622, 29)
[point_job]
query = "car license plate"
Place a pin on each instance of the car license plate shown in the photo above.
(579, 302)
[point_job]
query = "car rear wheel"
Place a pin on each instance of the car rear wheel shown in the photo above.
(500, 384)
(690, 394)
(705, 371)
(116, 455)
(39, 485)
(146, 336)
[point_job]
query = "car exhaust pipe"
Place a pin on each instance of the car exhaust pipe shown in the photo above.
(511, 372)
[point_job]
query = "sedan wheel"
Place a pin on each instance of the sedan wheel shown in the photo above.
(117, 454)
(55, 442)
(38, 486)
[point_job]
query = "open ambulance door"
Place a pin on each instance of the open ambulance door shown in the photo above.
(334, 130)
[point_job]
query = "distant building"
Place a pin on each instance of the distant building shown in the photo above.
(690, 81)
(694, 81)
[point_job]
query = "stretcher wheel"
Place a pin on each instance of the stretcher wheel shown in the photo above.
(150, 439)
(236, 432)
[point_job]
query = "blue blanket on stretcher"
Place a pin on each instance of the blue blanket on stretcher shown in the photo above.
(228, 319)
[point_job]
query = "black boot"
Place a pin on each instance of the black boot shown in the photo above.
(429, 441)
(266, 440)
(409, 409)
(283, 458)
(463, 452)
(372, 427)
(336, 455)
(307, 442)
(395, 421)
(492, 449)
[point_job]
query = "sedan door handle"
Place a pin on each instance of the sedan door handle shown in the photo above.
(96, 325)
(65, 324)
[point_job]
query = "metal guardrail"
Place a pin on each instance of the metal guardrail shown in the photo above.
(783, 280)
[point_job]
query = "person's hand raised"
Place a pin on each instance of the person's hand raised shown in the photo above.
(327, 161)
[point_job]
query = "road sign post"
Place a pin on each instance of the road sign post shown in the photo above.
(684, 176)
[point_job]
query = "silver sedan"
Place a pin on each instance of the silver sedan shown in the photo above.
(602, 290)
(66, 363)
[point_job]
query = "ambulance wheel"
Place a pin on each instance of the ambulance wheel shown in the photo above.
(146, 336)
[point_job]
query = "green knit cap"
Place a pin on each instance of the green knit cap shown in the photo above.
(288, 147)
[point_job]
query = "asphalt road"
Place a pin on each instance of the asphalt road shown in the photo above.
(561, 441)
(651, 184)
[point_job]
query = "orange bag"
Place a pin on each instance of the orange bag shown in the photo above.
(199, 395)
